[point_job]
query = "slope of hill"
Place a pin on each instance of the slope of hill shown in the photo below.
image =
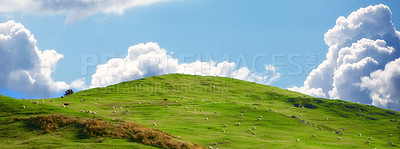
(209, 111)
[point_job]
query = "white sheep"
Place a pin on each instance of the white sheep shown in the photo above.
(390, 135)
(149, 102)
(154, 124)
(237, 124)
(194, 110)
(241, 114)
(339, 138)
(88, 111)
(42, 100)
(254, 133)
(114, 112)
(166, 106)
(35, 102)
(254, 127)
(93, 112)
(120, 108)
(223, 130)
(215, 112)
(249, 129)
(63, 105)
(314, 135)
(369, 138)
(359, 134)
(259, 116)
(225, 125)
(255, 107)
(201, 110)
(206, 118)
(95, 103)
(139, 102)
(128, 111)
(327, 118)
(244, 111)
(259, 119)
(186, 108)
(23, 107)
(84, 94)
(176, 101)
(297, 140)
(113, 107)
(210, 147)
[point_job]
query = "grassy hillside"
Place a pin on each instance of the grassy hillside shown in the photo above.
(205, 111)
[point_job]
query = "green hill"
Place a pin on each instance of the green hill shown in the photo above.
(194, 110)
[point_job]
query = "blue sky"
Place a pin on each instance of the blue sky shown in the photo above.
(197, 27)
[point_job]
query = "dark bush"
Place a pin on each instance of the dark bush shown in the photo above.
(68, 92)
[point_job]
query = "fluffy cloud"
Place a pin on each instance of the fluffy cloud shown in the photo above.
(73, 9)
(24, 67)
(149, 59)
(359, 46)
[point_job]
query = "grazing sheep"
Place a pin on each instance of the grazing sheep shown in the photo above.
(166, 106)
(81, 111)
(254, 127)
(51, 100)
(210, 147)
(215, 112)
(23, 107)
(249, 129)
(297, 140)
(339, 138)
(120, 108)
(186, 108)
(319, 128)
(209, 101)
(35, 102)
(97, 99)
(225, 125)
(369, 138)
(253, 133)
(275, 111)
(244, 111)
(88, 111)
(139, 103)
(128, 111)
(113, 107)
(95, 103)
(42, 100)
(176, 100)
(259, 116)
(206, 118)
(359, 134)
(191, 101)
(201, 110)
(259, 119)
(154, 124)
(149, 102)
(63, 105)
(223, 130)
(114, 112)
(327, 119)
(301, 115)
(194, 110)
(237, 124)
(323, 124)
(93, 112)
(368, 142)
(172, 93)
(241, 114)
(314, 135)
(81, 100)
(255, 107)
(390, 135)
(84, 94)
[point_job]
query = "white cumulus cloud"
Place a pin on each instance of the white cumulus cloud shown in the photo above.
(149, 59)
(73, 9)
(360, 46)
(24, 68)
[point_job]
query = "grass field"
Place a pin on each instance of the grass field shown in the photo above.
(196, 108)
